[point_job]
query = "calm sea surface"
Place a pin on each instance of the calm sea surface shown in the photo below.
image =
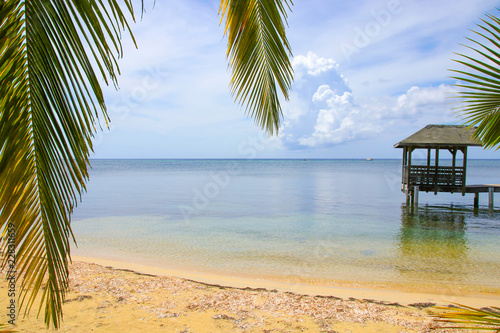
(313, 220)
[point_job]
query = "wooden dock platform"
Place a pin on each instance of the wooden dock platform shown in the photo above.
(476, 189)
(484, 188)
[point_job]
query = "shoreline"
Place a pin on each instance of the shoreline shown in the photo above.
(377, 292)
(111, 297)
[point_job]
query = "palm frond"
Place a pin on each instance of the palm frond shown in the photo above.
(3, 329)
(50, 101)
(258, 53)
(480, 90)
(471, 318)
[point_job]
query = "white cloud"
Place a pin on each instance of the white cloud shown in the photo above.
(416, 98)
(301, 112)
(344, 120)
(332, 114)
(313, 64)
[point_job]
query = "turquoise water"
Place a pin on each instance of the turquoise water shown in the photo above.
(313, 220)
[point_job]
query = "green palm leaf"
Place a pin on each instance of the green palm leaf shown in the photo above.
(467, 317)
(50, 100)
(3, 329)
(50, 103)
(480, 90)
(258, 52)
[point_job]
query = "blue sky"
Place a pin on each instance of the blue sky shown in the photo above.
(367, 75)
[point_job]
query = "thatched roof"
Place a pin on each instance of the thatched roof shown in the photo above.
(434, 136)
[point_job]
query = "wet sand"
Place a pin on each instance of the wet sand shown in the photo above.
(107, 296)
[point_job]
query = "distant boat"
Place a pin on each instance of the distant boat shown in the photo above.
(369, 159)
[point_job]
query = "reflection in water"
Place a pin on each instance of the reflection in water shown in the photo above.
(433, 245)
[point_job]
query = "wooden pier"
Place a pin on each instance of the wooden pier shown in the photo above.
(485, 188)
(432, 177)
(412, 195)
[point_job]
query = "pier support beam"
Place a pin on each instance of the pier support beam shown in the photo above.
(476, 200)
(414, 197)
(490, 197)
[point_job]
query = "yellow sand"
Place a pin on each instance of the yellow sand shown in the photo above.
(115, 300)
(385, 292)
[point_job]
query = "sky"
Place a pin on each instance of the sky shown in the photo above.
(367, 75)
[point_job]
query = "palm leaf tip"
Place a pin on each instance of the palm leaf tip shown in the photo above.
(479, 87)
(466, 317)
(259, 57)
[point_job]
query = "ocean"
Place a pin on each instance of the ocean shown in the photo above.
(295, 220)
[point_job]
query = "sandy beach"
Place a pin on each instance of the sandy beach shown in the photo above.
(109, 296)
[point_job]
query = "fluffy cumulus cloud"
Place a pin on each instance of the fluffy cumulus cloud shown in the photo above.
(323, 111)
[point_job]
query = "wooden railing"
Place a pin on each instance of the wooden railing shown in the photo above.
(423, 175)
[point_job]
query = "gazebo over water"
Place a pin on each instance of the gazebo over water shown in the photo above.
(428, 177)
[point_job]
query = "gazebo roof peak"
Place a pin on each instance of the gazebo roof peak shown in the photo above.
(436, 136)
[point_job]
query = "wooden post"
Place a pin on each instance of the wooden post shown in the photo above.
(408, 168)
(415, 194)
(490, 197)
(453, 151)
(465, 170)
(476, 200)
(427, 175)
(410, 150)
(436, 172)
(404, 173)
